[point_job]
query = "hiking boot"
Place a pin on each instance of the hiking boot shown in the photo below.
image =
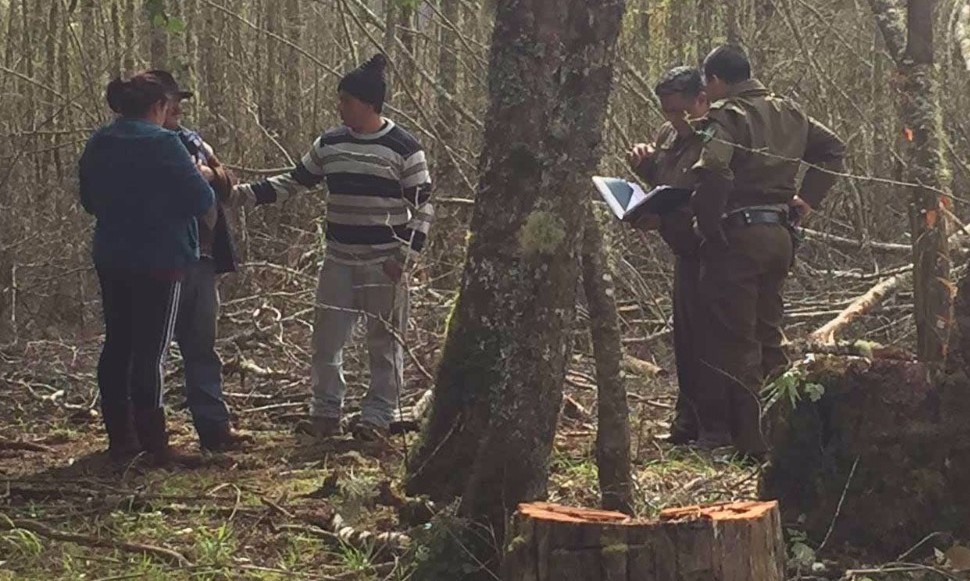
(153, 434)
(679, 435)
(221, 437)
(319, 428)
(371, 433)
(119, 423)
(714, 440)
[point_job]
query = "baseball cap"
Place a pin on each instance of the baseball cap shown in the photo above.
(171, 86)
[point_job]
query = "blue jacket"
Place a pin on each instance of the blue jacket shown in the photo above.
(140, 183)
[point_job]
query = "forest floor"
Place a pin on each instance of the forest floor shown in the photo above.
(265, 512)
(268, 512)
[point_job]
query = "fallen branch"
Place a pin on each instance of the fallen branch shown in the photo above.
(88, 541)
(863, 304)
(851, 244)
(6, 444)
(338, 533)
(632, 364)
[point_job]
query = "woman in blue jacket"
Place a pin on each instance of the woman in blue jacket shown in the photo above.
(146, 193)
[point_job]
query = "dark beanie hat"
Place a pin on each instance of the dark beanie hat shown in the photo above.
(366, 82)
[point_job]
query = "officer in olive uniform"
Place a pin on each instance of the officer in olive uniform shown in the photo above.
(746, 188)
(668, 161)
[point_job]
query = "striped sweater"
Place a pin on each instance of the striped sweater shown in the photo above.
(379, 190)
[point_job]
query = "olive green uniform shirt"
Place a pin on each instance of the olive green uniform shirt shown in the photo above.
(672, 165)
(755, 141)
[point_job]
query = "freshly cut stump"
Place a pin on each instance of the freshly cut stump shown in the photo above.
(740, 541)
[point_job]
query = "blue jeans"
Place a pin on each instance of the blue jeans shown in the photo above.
(195, 332)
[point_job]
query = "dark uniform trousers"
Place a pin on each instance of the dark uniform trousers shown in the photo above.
(690, 417)
(687, 419)
(740, 288)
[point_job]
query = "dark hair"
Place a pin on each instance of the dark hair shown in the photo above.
(133, 97)
(684, 81)
(728, 63)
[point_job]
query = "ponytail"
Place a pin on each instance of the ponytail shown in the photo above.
(133, 97)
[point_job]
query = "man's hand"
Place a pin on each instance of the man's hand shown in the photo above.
(206, 171)
(647, 222)
(393, 269)
(801, 207)
(640, 153)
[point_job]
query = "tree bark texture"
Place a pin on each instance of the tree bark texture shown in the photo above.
(733, 542)
(910, 42)
(881, 460)
(613, 413)
(157, 35)
(499, 385)
(927, 166)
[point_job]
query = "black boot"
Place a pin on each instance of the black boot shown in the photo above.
(221, 437)
(153, 434)
(123, 444)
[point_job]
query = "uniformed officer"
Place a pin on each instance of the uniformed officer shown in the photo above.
(746, 187)
(668, 161)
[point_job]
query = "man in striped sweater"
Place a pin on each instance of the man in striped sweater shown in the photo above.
(378, 216)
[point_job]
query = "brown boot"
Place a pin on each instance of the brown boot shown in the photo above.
(119, 423)
(153, 435)
(222, 437)
(319, 428)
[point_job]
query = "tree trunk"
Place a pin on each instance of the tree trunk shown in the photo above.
(910, 41)
(732, 542)
(131, 45)
(508, 341)
(391, 14)
(933, 292)
(613, 421)
(157, 35)
(212, 80)
(448, 77)
(732, 25)
(885, 452)
(295, 135)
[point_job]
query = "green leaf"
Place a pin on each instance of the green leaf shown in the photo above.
(802, 554)
(815, 391)
(159, 20)
(175, 25)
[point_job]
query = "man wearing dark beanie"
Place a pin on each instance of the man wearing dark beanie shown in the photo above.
(378, 216)
(366, 83)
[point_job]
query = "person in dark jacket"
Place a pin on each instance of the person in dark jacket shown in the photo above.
(195, 328)
(146, 193)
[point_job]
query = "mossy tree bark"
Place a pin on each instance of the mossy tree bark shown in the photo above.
(910, 41)
(613, 413)
(499, 385)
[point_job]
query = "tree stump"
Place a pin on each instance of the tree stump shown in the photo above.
(881, 460)
(731, 542)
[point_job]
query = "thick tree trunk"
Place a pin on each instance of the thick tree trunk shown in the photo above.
(500, 381)
(881, 460)
(732, 542)
(613, 421)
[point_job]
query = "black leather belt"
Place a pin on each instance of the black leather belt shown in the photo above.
(741, 218)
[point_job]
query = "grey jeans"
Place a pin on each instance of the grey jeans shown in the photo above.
(344, 293)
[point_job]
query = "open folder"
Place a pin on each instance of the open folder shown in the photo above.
(628, 201)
